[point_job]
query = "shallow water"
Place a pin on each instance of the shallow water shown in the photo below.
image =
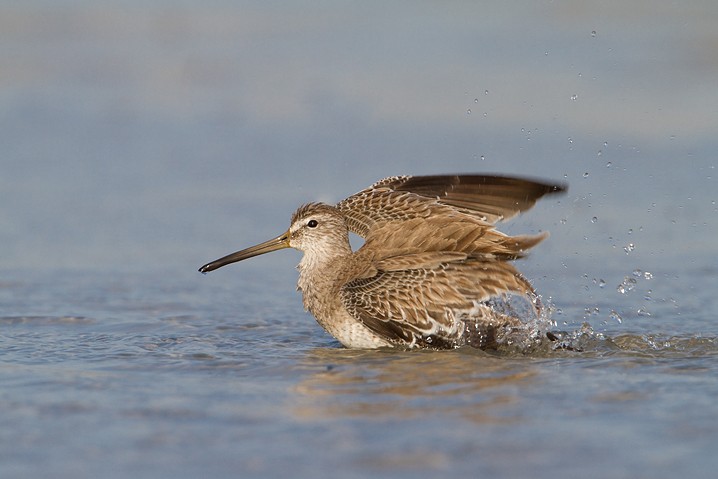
(140, 141)
(165, 375)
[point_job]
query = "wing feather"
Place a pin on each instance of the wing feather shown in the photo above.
(420, 300)
(399, 198)
(437, 263)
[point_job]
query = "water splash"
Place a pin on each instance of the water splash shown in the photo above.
(627, 285)
(577, 340)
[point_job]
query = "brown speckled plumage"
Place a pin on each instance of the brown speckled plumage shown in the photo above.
(433, 270)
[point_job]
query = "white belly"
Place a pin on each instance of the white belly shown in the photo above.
(351, 333)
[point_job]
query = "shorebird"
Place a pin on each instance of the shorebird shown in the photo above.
(433, 271)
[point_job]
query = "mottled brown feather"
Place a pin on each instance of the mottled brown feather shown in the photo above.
(434, 248)
(416, 298)
(488, 198)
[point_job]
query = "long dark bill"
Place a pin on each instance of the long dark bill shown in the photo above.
(279, 242)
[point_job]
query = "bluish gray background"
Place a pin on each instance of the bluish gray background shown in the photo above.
(151, 135)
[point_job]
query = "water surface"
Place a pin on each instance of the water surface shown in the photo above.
(154, 376)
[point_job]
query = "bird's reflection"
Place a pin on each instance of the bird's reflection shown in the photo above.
(389, 384)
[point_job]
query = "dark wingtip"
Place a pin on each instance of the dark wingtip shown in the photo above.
(559, 188)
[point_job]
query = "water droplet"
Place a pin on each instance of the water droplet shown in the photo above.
(483, 157)
(593, 33)
(605, 144)
(486, 92)
(574, 97)
(601, 283)
(627, 285)
(468, 112)
(570, 140)
(647, 275)
(564, 221)
(476, 100)
(585, 175)
(615, 316)
(608, 165)
(629, 247)
(594, 219)
(599, 153)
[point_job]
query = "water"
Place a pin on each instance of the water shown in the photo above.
(140, 142)
(164, 375)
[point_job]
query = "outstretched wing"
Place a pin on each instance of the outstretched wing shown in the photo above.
(488, 199)
(410, 214)
(424, 299)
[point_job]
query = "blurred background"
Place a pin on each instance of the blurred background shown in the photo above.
(160, 135)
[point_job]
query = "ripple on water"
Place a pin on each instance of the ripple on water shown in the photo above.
(588, 342)
(46, 320)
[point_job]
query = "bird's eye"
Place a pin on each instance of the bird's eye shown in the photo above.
(312, 223)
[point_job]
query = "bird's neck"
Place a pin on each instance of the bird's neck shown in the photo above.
(320, 278)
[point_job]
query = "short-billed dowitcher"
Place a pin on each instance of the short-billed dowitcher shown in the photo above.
(433, 271)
